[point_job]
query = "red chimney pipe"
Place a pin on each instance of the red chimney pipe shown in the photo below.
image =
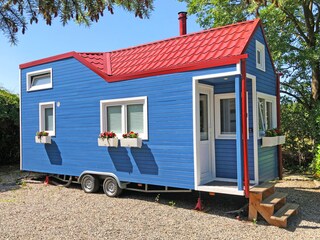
(183, 23)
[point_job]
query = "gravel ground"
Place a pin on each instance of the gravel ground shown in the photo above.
(37, 211)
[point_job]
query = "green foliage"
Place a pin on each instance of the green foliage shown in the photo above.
(316, 163)
(16, 14)
(302, 128)
(9, 127)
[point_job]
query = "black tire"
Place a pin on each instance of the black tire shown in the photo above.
(111, 187)
(90, 184)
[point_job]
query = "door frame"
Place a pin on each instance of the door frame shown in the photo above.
(210, 90)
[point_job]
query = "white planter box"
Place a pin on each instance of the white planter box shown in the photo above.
(281, 139)
(105, 142)
(131, 142)
(43, 139)
(273, 141)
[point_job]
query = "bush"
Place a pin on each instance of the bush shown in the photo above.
(9, 128)
(316, 163)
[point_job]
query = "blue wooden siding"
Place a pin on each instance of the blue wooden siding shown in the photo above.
(266, 83)
(166, 158)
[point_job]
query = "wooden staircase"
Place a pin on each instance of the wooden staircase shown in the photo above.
(270, 205)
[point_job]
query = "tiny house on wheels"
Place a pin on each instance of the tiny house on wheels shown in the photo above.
(200, 103)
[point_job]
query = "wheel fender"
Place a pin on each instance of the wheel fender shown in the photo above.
(104, 174)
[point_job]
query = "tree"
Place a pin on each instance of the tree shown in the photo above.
(292, 29)
(16, 14)
(9, 127)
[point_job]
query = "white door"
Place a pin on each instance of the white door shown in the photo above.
(205, 133)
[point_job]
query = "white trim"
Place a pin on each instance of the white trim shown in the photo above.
(20, 117)
(123, 102)
(42, 106)
(195, 100)
(260, 47)
(29, 76)
(210, 90)
(255, 127)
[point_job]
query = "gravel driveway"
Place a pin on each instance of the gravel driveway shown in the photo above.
(37, 211)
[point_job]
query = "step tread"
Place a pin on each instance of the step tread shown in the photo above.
(261, 188)
(273, 199)
(286, 211)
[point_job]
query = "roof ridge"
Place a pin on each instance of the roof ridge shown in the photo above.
(190, 34)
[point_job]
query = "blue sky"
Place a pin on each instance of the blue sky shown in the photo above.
(112, 32)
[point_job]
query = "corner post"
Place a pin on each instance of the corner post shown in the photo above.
(238, 133)
(244, 126)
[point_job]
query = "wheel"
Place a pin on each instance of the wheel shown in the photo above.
(90, 184)
(111, 187)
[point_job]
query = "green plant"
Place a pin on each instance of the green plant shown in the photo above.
(316, 163)
(172, 203)
(273, 132)
(42, 134)
(130, 135)
(107, 135)
(254, 221)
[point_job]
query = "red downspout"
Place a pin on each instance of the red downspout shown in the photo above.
(280, 167)
(244, 126)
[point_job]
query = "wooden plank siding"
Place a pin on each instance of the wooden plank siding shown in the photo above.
(166, 158)
(265, 83)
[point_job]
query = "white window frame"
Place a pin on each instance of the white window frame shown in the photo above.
(273, 100)
(260, 48)
(31, 75)
(123, 102)
(219, 97)
(42, 107)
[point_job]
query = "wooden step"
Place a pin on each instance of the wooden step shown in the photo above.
(262, 188)
(274, 199)
(286, 211)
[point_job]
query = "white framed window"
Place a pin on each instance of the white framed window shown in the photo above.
(260, 56)
(39, 80)
(47, 118)
(225, 116)
(125, 115)
(267, 112)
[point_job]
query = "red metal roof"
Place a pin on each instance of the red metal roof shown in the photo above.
(209, 48)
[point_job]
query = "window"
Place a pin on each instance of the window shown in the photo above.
(47, 117)
(266, 112)
(39, 80)
(225, 116)
(260, 56)
(125, 115)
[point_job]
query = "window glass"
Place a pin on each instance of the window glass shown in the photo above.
(114, 119)
(269, 115)
(258, 57)
(135, 118)
(48, 119)
(204, 117)
(261, 105)
(40, 79)
(228, 116)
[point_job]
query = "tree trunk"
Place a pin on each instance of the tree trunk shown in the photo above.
(315, 82)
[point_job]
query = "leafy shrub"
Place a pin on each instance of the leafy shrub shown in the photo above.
(9, 128)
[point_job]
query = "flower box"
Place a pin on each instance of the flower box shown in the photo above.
(273, 141)
(108, 142)
(43, 139)
(131, 142)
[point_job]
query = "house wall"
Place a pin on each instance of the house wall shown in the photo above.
(166, 158)
(265, 83)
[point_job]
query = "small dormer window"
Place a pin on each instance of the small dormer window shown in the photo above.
(260, 56)
(39, 80)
